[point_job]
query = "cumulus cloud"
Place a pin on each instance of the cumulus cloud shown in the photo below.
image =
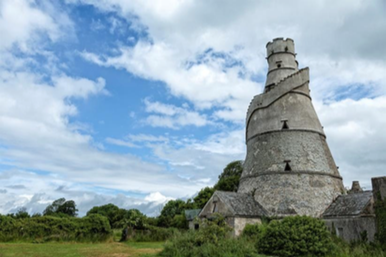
(37, 133)
(37, 192)
(215, 58)
(354, 132)
(22, 21)
(170, 116)
(210, 57)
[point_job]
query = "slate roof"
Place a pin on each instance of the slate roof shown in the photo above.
(241, 204)
(349, 205)
(191, 214)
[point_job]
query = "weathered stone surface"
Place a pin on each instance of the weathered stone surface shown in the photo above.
(281, 59)
(289, 169)
(294, 194)
(231, 204)
(355, 188)
(351, 205)
(306, 151)
(288, 166)
(352, 228)
(237, 208)
(379, 187)
(241, 222)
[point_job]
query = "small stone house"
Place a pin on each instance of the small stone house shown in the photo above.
(352, 216)
(191, 217)
(238, 209)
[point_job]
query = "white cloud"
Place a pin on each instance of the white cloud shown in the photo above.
(201, 161)
(158, 198)
(21, 21)
(38, 192)
(355, 134)
(212, 57)
(346, 58)
(120, 142)
(174, 42)
(173, 117)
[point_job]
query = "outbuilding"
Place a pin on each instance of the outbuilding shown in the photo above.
(238, 209)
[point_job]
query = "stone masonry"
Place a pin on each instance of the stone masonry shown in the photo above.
(289, 167)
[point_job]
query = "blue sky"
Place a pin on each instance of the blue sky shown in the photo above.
(139, 102)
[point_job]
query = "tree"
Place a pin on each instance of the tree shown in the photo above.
(118, 217)
(61, 206)
(22, 213)
(170, 210)
(110, 211)
(230, 177)
(203, 196)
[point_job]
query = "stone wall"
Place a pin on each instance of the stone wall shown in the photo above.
(293, 193)
(193, 224)
(379, 187)
(281, 59)
(351, 228)
(240, 223)
(214, 205)
(294, 108)
(289, 167)
(306, 152)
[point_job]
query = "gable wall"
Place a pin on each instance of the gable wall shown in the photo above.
(350, 228)
(221, 208)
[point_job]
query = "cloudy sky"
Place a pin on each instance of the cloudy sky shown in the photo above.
(137, 102)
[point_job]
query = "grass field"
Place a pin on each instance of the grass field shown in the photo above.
(113, 249)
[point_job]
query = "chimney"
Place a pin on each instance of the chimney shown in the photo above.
(355, 188)
(379, 188)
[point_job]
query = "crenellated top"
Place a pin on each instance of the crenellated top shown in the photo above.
(281, 60)
(280, 45)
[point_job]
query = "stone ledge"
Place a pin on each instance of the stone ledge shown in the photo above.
(300, 172)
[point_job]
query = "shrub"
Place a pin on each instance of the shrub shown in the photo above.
(252, 231)
(149, 234)
(213, 239)
(187, 245)
(296, 236)
(50, 228)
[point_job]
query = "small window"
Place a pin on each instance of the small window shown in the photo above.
(214, 207)
(286, 48)
(279, 65)
(287, 166)
(285, 125)
(340, 232)
(196, 226)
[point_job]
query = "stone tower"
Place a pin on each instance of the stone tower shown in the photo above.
(289, 167)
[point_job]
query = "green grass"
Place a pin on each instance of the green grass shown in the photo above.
(113, 249)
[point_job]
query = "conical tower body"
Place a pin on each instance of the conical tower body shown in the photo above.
(289, 167)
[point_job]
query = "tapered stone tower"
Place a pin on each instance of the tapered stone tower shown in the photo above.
(289, 167)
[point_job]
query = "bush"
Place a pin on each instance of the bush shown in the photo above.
(251, 231)
(188, 245)
(213, 239)
(49, 228)
(296, 236)
(149, 234)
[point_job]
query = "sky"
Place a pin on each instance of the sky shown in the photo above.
(138, 102)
